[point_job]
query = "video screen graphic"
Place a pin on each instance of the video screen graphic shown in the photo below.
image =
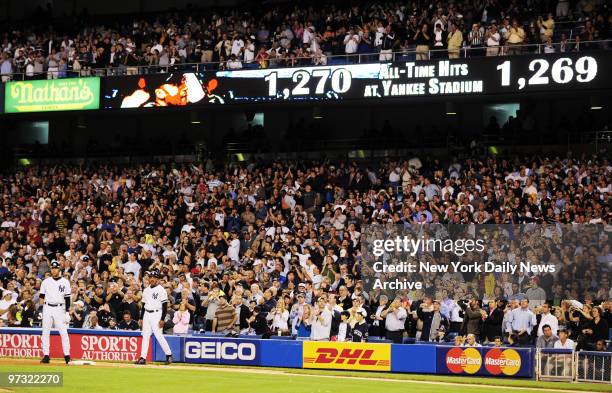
(175, 89)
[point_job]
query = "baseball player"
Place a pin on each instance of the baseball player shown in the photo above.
(152, 315)
(55, 297)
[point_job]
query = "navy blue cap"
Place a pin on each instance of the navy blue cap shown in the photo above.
(154, 273)
(55, 264)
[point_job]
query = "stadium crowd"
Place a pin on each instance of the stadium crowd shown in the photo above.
(279, 35)
(275, 248)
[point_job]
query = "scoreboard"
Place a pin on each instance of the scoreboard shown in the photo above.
(372, 82)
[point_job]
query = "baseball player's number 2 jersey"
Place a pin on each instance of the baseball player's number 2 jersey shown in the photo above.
(55, 290)
(153, 297)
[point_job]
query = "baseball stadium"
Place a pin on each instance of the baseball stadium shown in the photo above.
(314, 196)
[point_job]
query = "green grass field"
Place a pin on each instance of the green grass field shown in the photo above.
(106, 377)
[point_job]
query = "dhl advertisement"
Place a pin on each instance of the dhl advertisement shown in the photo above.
(71, 94)
(502, 362)
(347, 356)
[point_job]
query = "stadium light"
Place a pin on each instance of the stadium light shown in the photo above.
(595, 103)
(81, 122)
(194, 118)
(450, 109)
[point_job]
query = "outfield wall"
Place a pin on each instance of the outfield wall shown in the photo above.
(400, 358)
(113, 345)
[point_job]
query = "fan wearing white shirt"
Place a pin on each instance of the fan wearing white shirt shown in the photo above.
(564, 342)
(132, 266)
(321, 326)
(549, 319)
(351, 42)
(233, 247)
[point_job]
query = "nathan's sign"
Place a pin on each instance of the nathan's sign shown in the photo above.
(70, 94)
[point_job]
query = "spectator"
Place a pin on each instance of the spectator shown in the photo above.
(440, 41)
(395, 317)
(387, 44)
(77, 314)
(359, 332)
(351, 44)
(535, 294)
(521, 322)
(455, 41)
(564, 342)
(6, 67)
(6, 302)
(547, 27)
(470, 341)
(595, 329)
(304, 322)
(127, 323)
(434, 323)
(472, 321)
(322, 318)
(492, 325)
(422, 40)
(279, 318)
(93, 324)
(547, 339)
(475, 40)
(234, 63)
(515, 37)
(225, 316)
(181, 320)
(547, 318)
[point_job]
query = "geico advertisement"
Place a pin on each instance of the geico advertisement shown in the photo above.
(222, 351)
(347, 356)
(82, 346)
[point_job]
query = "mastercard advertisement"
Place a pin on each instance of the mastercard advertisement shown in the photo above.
(500, 362)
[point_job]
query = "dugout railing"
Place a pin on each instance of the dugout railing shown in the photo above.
(568, 365)
(593, 366)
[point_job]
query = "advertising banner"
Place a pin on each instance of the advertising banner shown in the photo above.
(69, 94)
(222, 351)
(281, 353)
(489, 361)
(414, 358)
(375, 81)
(84, 344)
(347, 356)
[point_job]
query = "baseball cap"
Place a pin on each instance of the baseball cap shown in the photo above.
(154, 273)
(55, 264)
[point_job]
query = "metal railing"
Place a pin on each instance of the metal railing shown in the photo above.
(594, 367)
(407, 54)
(555, 364)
